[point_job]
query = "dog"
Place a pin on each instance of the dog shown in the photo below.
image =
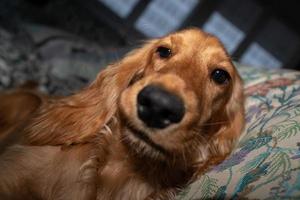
(148, 125)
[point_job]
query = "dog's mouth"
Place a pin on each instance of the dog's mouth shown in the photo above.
(143, 137)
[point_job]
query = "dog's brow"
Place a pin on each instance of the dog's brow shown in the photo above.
(214, 54)
(210, 50)
(176, 40)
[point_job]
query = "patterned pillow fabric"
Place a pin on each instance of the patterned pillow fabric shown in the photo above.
(266, 161)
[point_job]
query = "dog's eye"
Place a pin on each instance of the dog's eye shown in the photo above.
(164, 52)
(220, 76)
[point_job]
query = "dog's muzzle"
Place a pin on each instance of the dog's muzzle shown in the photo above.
(158, 108)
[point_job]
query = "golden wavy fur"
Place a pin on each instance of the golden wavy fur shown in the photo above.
(95, 145)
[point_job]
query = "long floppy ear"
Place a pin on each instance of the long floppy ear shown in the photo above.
(78, 118)
(225, 139)
(15, 108)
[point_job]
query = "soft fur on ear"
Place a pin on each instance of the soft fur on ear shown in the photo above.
(225, 139)
(221, 144)
(15, 108)
(77, 118)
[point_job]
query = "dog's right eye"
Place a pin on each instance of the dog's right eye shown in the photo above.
(220, 76)
(164, 52)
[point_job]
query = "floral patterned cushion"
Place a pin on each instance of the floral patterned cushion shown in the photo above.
(266, 161)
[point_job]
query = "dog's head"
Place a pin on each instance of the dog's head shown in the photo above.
(185, 101)
(176, 97)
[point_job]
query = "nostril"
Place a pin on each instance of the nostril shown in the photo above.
(144, 100)
(159, 108)
(166, 114)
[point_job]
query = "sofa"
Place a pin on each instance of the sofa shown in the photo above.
(266, 161)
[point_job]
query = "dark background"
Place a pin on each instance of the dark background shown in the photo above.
(94, 21)
(42, 37)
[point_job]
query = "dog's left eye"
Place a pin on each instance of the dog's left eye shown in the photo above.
(164, 52)
(220, 76)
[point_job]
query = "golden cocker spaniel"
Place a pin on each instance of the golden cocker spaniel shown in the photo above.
(147, 126)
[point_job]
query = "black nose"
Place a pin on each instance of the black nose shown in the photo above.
(158, 108)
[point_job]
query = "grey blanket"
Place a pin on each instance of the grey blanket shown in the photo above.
(60, 62)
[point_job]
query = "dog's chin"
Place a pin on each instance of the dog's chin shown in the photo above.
(143, 145)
